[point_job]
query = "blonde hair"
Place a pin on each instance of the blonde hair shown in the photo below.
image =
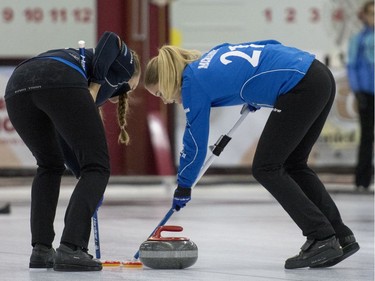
(166, 70)
(123, 105)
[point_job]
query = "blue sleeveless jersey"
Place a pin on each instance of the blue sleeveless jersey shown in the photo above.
(254, 73)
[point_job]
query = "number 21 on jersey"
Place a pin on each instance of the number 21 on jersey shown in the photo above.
(234, 52)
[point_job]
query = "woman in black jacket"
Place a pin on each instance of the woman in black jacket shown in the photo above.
(52, 102)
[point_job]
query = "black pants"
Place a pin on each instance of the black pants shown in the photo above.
(280, 162)
(364, 169)
(36, 116)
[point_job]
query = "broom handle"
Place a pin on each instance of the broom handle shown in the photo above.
(81, 45)
(221, 144)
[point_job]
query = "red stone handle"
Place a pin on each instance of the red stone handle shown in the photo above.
(172, 228)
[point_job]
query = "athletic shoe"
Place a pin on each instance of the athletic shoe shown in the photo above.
(315, 252)
(42, 257)
(78, 260)
(349, 246)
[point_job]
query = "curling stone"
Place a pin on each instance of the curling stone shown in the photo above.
(159, 252)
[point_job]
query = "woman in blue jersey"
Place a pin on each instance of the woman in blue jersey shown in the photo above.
(361, 80)
(52, 103)
(261, 74)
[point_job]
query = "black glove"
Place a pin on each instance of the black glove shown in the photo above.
(253, 108)
(182, 195)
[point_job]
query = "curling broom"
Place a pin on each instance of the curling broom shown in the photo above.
(95, 220)
(216, 150)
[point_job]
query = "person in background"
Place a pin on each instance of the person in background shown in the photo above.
(361, 80)
(300, 89)
(52, 102)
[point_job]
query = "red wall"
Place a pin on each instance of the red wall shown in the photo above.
(137, 158)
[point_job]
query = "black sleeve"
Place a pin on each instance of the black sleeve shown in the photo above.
(105, 54)
(106, 92)
(124, 88)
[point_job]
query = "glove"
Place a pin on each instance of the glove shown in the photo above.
(182, 195)
(253, 108)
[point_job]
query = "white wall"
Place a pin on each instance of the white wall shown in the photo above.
(322, 27)
(29, 27)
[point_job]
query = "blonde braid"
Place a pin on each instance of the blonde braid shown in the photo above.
(122, 110)
(123, 104)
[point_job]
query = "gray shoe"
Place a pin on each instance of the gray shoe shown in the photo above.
(42, 257)
(68, 260)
